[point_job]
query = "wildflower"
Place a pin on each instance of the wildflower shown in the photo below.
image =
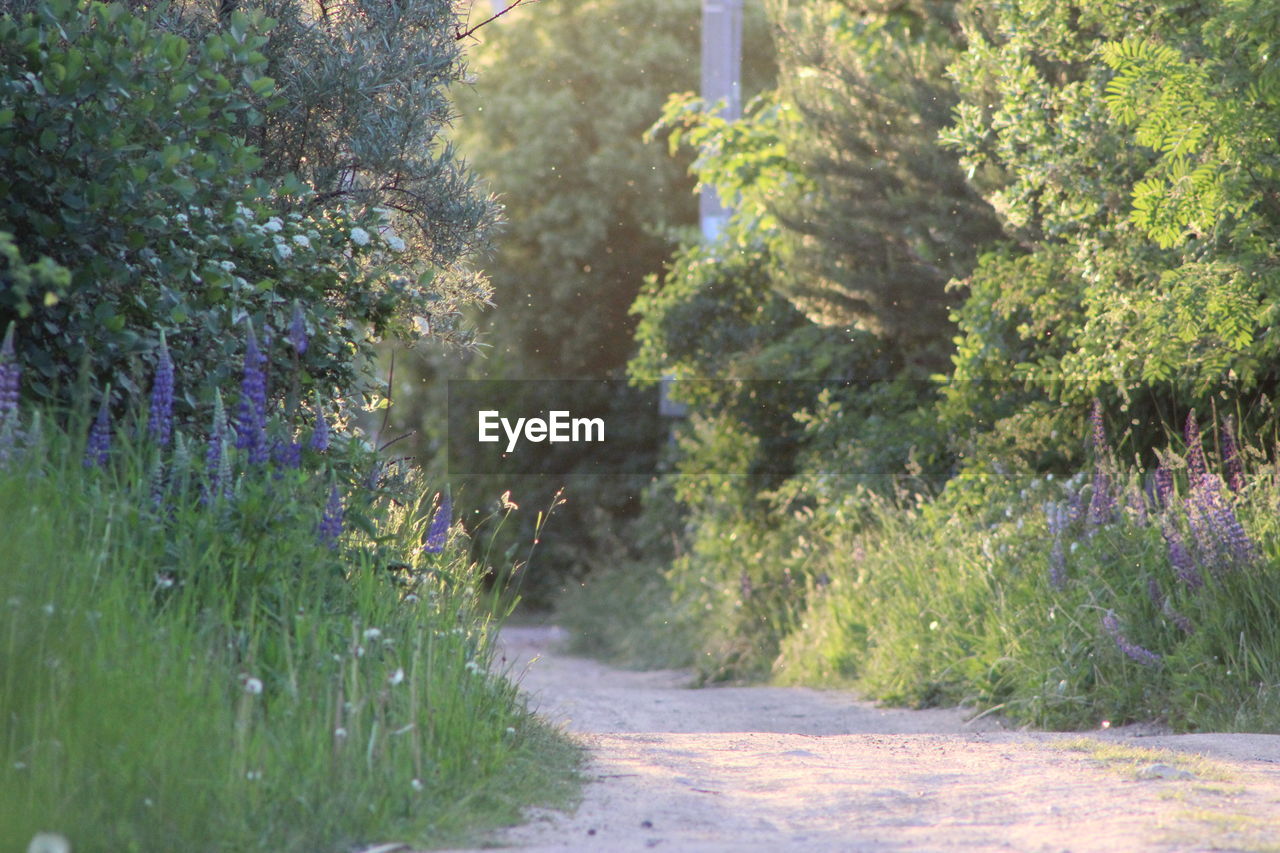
(251, 417)
(438, 532)
(1099, 431)
(217, 461)
(331, 521)
(160, 417)
(320, 437)
(98, 449)
(302, 240)
(284, 250)
(1057, 516)
(1218, 531)
(252, 686)
(286, 454)
(1102, 502)
(1197, 468)
(396, 677)
(396, 244)
(1133, 651)
(1164, 484)
(227, 266)
(372, 633)
(416, 784)
(298, 330)
(10, 374)
(272, 225)
(1183, 566)
(340, 732)
(359, 236)
(1231, 457)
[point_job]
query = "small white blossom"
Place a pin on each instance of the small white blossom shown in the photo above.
(396, 677)
(339, 732)
(396, 244)
(474, 667)
(283, 250)
(227, 265)
(181, 217)
(253, 775)
(417, 785)
(302, 240)
(253, 686)
(48, 610)
(273, 224)
(359, 236)
(372, 633)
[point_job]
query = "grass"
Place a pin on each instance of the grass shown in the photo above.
(1004, 594)
(203, 680)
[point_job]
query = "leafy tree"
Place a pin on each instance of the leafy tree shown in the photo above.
(127, 160)
(1131, 174)
(555, 123)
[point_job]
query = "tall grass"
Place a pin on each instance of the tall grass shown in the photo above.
(180, 676)
(1113, 596)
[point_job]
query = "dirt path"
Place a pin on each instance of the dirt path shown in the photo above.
(779, 769)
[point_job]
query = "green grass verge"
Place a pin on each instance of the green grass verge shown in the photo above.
(181, 679)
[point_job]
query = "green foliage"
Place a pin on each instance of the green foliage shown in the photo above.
(345, 707)
(127, 161)
(590, 204)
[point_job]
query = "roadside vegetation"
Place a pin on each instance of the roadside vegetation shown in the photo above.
(981, 375)
(229, 618)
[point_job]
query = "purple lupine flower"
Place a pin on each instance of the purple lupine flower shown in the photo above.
(1231, 464)
(1182, 622)
(1100, 446)
(1219, 537)
(10, 376)
(438, 532)
(1197, 468)
(286, 454)
(298, 330)
(330, 527)
(1056, 515)
(1103, 503)
(1183, 566)
(160, 417)
(98, 449)
(1136, 503)
(320, 437)
(1164, 484)
(1133, 651)
(251, 416)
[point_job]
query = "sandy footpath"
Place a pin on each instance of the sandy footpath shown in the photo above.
(778, 769)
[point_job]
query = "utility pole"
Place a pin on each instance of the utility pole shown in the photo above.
(721, 80)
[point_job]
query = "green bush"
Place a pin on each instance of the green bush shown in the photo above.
(124, 159)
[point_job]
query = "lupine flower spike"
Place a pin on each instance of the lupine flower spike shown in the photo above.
(98, 450)
(1102, 504)
(331, 521)
(1133, 651)
(1197, 468)
(320, 437)
(298, 330)
(438, 532)
(160, 417)
(1231, 464)
(10, 375)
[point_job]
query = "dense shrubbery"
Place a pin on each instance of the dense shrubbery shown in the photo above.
(937, 542)
(127, 161)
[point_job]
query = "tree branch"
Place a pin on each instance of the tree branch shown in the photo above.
(459, 33)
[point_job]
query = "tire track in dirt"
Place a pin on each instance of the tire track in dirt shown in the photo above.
(778, 769)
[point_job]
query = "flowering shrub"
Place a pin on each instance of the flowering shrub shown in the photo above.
(128, 185)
